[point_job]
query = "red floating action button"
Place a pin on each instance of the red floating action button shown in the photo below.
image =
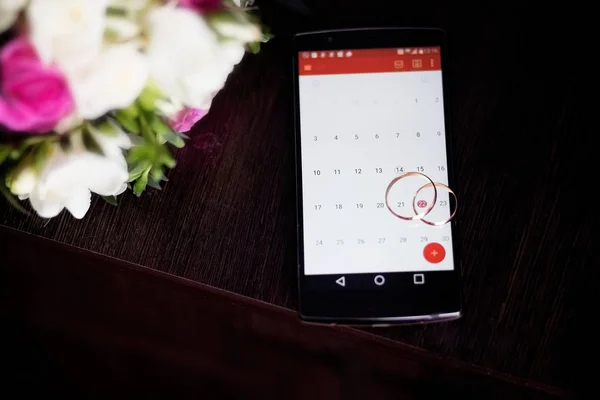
(434, 253)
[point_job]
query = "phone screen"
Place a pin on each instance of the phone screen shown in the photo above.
(368, 116)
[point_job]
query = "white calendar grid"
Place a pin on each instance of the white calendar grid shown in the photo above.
(358, 132)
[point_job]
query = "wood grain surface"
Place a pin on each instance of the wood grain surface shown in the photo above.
(96, 327)
(226, 218)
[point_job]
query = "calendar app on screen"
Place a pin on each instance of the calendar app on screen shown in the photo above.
(368, 116)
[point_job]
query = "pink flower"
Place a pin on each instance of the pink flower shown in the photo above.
(186, 118)
(33, 97)
(200, 5)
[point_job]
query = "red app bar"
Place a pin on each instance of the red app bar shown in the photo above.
(334, 62)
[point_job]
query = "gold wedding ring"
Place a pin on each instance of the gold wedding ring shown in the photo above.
(420, 216)
(435, 185)
(417, 216)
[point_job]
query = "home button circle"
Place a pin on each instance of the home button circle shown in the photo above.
(379, 280)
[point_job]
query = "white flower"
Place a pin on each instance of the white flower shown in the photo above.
(68, 177)
(70, 34)
(67, 32)
(188, 62)
(236, 26)
(114, 79)
(9, 11)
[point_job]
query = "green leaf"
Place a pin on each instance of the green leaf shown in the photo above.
(112, 200)
(90, 142)
(9, 177)
(132, 111)
(148, 98)
(254, 47)
(147, 161)
(266, 32)
(139, 153)
(140, 184)
(129, 122)
(174, 139)
(165, 157)
(137, 169)
(40, 154)
(15, 154)
(157, 174)
(164, 133)
(33, 140)
(35, 157)
(160, 128)
(154, 184)
(107, 127)
(4, 152)
(12, 200)
(145, 127)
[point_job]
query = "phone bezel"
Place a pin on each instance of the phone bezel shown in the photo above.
(399, 301)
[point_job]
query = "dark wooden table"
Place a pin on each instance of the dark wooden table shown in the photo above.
(226, 218)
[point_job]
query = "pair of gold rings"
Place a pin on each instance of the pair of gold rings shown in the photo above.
(420, 216)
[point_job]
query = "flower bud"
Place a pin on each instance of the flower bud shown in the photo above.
(24, 181)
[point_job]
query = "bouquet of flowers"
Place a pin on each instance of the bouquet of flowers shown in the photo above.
(95, 93)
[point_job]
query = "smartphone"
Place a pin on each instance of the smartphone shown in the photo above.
(373, 170)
